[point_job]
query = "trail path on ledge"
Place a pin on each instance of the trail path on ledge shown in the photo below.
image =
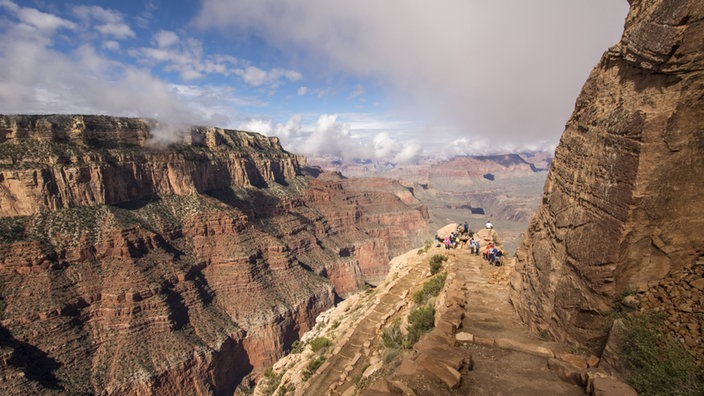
(335, 375)
(488, 316)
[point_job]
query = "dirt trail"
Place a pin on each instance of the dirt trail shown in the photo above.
(351, 355)
(488, 316)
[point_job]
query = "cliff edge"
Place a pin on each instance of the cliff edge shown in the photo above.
(622, 211)
(130, 266)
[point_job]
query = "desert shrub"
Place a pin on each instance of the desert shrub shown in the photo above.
(319, 344)
(436, 263)
(297, 346)
(658, 364)
(420, 321)
(335, 325)
(286, 389)
(271, 381)
(312, 367)
(430, 288)
(392, 337)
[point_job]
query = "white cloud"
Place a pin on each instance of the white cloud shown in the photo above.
(36, 19)
(107, 22)
(34, 78)
(255, 76)
(508, 69)
(111, 45)
(329, 136)
(302, 91)
(165, 38)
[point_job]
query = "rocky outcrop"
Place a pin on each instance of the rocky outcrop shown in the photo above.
(622, 209)
(57, 162)
(129, 267)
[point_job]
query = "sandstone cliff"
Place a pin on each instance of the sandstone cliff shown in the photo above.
(622, 210)
(129, 268)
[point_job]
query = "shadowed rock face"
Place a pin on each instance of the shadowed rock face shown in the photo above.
(622, 208)
(131, 269)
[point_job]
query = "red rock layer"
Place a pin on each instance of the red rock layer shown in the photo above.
(208, 269)
(622, 209)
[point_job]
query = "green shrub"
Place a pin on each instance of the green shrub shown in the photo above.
(297, 346)
(420, 321)
(657, 364)
(391, 337)
(312, 367)
(319, 344)
(430, 288)
(436, 263)
(271, 381)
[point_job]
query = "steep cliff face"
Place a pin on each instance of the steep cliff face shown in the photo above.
(130, 269)
(622, 209)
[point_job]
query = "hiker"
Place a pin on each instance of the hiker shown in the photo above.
(489, 225)
(447, 243)
(491, 254)
(466, 227)
(485, 253)
(472, 246)
(497, 257)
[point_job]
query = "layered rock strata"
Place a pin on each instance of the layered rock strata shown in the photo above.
(622, 209)
(129, 266)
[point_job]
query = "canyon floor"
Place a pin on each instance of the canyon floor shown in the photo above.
(498, 354)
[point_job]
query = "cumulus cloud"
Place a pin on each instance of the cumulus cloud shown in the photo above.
(107, 22)
(330, 136)
(34, 78)
(508, 71)
(165, 38)
(34, 19)
(255, 76)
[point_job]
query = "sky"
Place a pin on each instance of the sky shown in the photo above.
(391, 80)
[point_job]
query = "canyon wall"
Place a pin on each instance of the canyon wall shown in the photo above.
(133, 266)
(622, 210)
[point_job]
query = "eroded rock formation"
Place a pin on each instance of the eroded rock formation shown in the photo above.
(127, 268)
(622, 209)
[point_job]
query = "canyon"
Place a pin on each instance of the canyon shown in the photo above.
(131, 266)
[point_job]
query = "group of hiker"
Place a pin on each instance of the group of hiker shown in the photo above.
(464, 236)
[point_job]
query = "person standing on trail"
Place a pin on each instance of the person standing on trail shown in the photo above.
(447, 243)
(466, 227)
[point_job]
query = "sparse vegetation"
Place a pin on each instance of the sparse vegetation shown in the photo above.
(430, 288)
(657, 364)
(426, 246)
(320, 344)
(297, 346)
(312, 367)
(392, 337)
(335, 325)
(286, 389)
(420, 321)
(272, 380)
(545, 335)
(436, 263)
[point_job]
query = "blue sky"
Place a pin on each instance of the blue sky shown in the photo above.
(390, 80)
